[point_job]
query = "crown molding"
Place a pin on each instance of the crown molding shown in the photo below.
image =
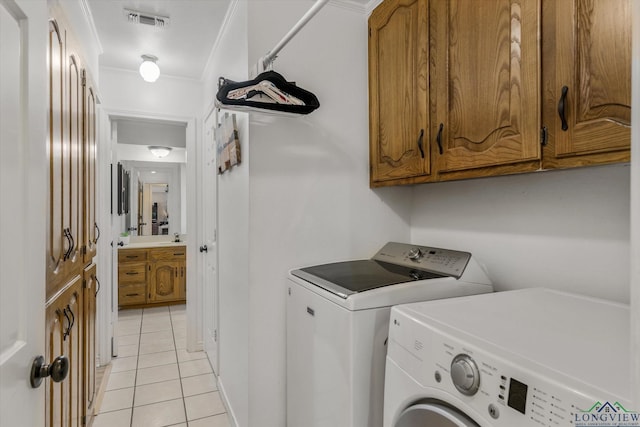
(88, 17)
(223, 28)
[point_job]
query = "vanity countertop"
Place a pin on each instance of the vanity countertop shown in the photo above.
(140, 245)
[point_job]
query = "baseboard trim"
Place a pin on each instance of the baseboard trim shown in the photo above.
(225, 402)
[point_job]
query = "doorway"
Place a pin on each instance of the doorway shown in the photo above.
(162, 217)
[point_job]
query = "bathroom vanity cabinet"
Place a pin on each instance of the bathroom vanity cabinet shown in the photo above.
(152, 276)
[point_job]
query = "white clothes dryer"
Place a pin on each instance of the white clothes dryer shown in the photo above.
(524, 358)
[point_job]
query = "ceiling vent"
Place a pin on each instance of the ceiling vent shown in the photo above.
(136, 17)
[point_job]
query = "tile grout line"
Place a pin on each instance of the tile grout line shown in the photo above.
(135, 380)
(175, 347)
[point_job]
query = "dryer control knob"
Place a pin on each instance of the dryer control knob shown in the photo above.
(465, 374)
(415, 254)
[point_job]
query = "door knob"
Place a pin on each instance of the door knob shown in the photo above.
(58, 370)
(204, 248)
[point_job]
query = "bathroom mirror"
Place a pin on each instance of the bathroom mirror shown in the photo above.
(158, 206)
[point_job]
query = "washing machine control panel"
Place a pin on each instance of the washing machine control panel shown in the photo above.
(435, 260)
(493, 388)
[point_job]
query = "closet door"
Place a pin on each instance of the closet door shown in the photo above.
(57, 242)
(486, 79)
(91, 229)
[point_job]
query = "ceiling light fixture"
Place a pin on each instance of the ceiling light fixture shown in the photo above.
(149, 70)
(159, 152)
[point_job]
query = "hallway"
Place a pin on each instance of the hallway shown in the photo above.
(154, 381)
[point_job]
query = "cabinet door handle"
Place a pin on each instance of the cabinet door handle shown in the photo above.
(132, 295)
(68, 329)
(97, 283)
(561, 108)
(73, 243)
(67, 234)
(439, 138)
(176, 269)
(420, 138)
(73, 317)
(95, 224)
(132, 273)
(179, 254)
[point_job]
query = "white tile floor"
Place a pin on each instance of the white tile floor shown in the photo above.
(154, 381)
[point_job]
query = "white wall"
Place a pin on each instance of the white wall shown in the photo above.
(126, 93)
(230, 60)
(566, 230)
(310, 200)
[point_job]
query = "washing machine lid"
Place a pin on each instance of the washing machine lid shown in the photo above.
(350, 277)
(393, 264)
(431, 414)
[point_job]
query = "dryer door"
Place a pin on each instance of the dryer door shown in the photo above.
(433, 415)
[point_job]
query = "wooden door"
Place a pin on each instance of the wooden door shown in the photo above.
(166, 281)
(64, 330)
(23, 194)
(587, 63)
(208, 269)
(485, 86)
(398, 92)
(91, 289)
(90, 226)
(57, 242)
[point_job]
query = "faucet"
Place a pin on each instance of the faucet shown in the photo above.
(176, 237)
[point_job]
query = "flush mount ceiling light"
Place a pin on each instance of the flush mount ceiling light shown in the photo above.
(149, 70)
(159, 151)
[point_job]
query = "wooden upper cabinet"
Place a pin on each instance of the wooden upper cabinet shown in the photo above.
(587, 66)
(398, 91)
(485, 74)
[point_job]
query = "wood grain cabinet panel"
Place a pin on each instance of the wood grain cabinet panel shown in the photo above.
(91, 289)
(486, 85)
(151, 276)
(587, 65)
(512, 86)
(70, 280)
(64, 331)
(91, 230)
(398, 91)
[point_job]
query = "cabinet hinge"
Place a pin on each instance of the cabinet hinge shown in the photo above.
(84, 78)
(369, 32)
(543, 135)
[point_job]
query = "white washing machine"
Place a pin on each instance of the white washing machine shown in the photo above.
(338, 322)
(524, 358)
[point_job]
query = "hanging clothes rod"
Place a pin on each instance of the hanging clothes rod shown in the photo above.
(268, 59)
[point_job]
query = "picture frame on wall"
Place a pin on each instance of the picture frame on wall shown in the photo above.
(227, 143)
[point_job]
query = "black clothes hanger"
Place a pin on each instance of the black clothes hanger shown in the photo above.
(268, 91)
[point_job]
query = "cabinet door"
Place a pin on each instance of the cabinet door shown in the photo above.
(165, 281)
(75, 258)
(398, 92)
(485, 79)
(587, 63)
(57, 244)
(64, 315)
(91, 289)
(91, 229)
